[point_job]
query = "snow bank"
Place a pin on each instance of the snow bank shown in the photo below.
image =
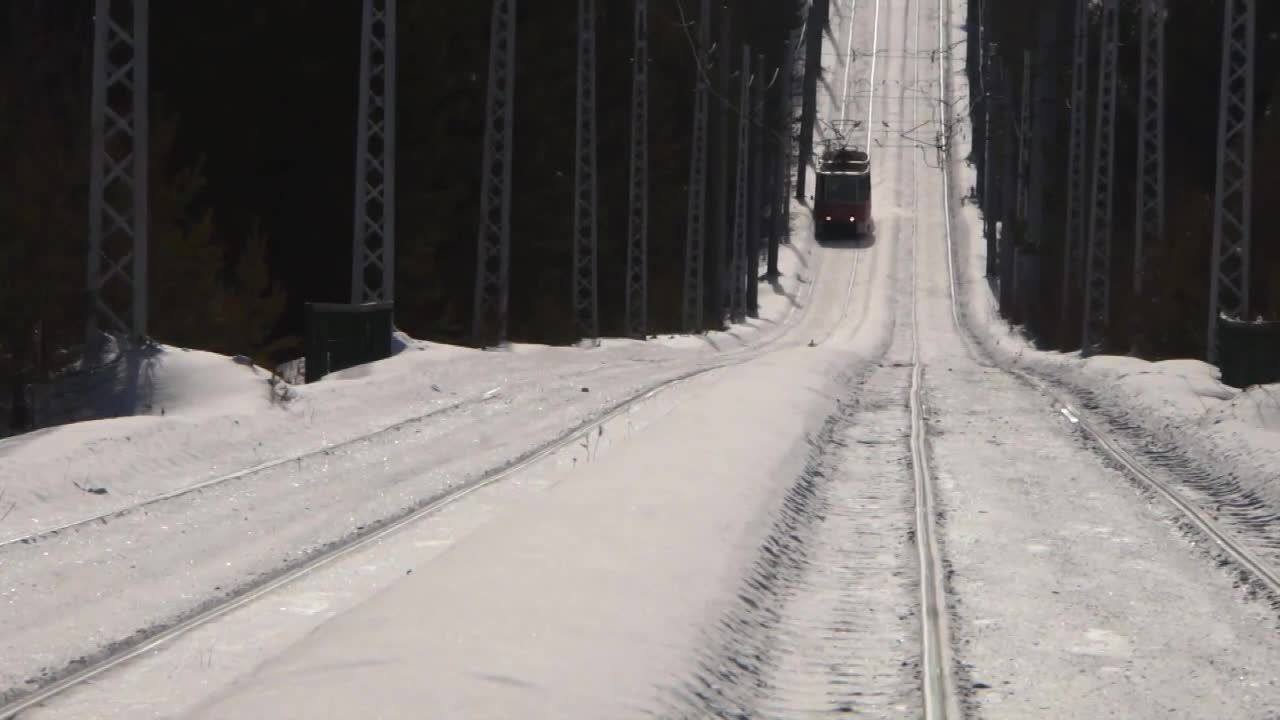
(1180, 403)
(159, 391)
(165, 419)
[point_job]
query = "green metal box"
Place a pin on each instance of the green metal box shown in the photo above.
(1248, 352)
(340, 336)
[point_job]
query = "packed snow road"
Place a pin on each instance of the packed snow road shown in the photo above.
(865, 517)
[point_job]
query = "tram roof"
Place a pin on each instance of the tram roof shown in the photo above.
(845, 161)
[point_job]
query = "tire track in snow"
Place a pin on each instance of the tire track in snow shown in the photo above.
(824, 621)
(847, 642)
(828, 620)
(145, 639)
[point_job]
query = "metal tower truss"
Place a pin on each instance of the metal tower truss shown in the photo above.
(988, 172)
(638, 205)
(1074, 242)
(118, 211)
(819, 13)
(1008, 187)
(720, 260)
(1024, 146)
(997, 205)
(584, 178)
(489, 323)
(695, 238)
(1229, 286)
(738, 278)
(788, 133)
(1149, 229)
(374, 241)
(781, 197)
(1097, 296)
(756, 188)
(1048, 56)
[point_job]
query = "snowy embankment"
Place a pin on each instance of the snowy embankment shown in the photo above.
(192, 417)
(1175, 403)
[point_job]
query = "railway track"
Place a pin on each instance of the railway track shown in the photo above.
(775, 624)
(334, 553)
(941, 698)
(819, 625)
(938, 692)
(721, 360)
(1251, 547)
(372, 533)
(777, 339)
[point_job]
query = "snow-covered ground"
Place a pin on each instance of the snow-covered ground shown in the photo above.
(1128, 623)
(739, 544)
(201, 417)
(1223, 441)
(233, 480)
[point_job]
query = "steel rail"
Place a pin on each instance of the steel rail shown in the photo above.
(844, 103)
(376, 532)
(771, 343)
(47, 533)
(1223, 538)
(467, 402)
(388, 526)
(937, 681)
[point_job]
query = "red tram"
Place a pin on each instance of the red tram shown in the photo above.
(842, 198)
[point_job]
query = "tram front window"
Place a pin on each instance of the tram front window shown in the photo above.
(845, 188)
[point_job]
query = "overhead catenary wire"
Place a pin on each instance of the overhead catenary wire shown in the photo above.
(735, 108)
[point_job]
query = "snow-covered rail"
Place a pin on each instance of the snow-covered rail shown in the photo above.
(780, 338)
(127, 651)
(941, 700)
(726, 358)
(1225, 539)
(47, 533)
(1238, 549)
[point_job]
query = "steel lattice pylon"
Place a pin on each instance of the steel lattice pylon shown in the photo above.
(988, 172)
(819, 12)
(720, 260)
(1008, 185)
(1232, 221)
(695, 237)
(788, 131)
(638, 204)
(1000, 205)
(493, 261)
(738, 277)
(782, 152)
(374, 241)
(1077, 152)
(1097, 296)
(1149, 221)
(1024, 146)
(756, 189)
(118, 164)
(584, 178)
